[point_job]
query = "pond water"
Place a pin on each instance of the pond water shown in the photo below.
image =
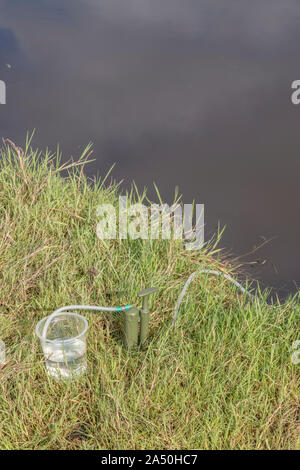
(194, 93)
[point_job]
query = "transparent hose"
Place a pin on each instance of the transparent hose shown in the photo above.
(126, 307)
(205, 271)
(80, 307)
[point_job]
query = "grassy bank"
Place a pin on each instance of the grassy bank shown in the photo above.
(222, 379)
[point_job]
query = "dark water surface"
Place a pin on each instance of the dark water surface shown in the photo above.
(194, 93)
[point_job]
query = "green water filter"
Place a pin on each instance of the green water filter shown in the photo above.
(145, 314)
(131, 327)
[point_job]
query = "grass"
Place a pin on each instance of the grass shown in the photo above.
(222, 379)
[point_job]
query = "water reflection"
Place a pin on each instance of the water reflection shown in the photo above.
(192, 93)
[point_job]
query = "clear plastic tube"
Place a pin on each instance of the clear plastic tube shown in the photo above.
(205, 271)
(126, 307)
(80, 307)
